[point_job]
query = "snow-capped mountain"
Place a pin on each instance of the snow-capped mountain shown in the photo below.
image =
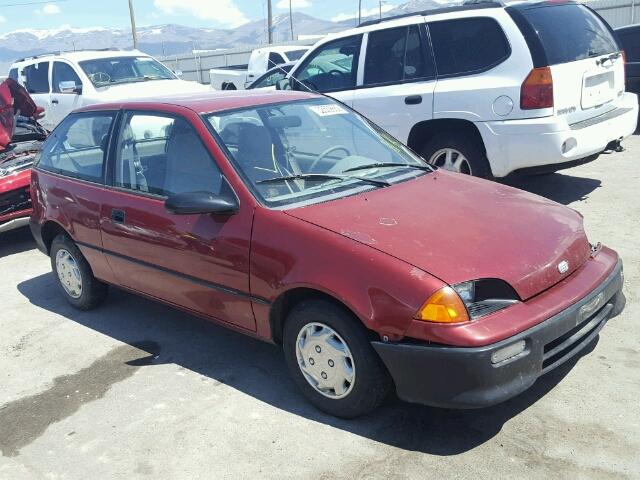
(173, 39)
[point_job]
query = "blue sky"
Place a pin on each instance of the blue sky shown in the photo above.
(32, 14)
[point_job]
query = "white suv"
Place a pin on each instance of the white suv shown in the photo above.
(484, 89)
(62, 82)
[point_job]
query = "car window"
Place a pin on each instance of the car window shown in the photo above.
(569, 32)
(37, 77)
(396, 55)
(77, 148)
(163, 155)
(109, 71)
(631, 45)
(13, 73)
(468, 45)
(275, 59)
(63, 72)
(270, 78)
(333, 66)
(294, 55)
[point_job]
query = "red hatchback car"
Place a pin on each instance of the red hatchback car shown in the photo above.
(293, 219)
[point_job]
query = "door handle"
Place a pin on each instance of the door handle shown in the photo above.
(118, 216)
(55, 102)
(413, 99)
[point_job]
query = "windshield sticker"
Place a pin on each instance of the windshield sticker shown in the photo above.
(327, 110)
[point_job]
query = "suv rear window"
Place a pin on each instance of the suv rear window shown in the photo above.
(569, 32)
(468, 45)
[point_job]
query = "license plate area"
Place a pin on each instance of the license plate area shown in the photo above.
(597, 89)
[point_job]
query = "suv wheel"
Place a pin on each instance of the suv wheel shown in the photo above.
(331, 360)
(451, 152)
(74, 276)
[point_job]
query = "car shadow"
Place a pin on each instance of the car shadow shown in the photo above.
(258, 369)
(559, 187)
(16, 241)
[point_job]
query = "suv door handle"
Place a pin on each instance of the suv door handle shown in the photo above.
(55, 102)
(118, 216)
(413, 99)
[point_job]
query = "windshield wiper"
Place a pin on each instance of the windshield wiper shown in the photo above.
(426, 168)
(325, 176)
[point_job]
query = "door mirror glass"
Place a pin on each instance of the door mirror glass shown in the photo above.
(201, 203)
(70, 86)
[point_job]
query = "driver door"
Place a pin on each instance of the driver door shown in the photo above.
(332, 69)
(64, 99)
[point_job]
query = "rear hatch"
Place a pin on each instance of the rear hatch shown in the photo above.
(585, 59)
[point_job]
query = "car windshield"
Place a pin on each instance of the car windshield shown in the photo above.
(295, 54)
(311, 150)
(109, 71)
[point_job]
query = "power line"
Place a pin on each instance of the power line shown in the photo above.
(25, 4)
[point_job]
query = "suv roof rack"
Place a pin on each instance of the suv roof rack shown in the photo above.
(467, 5)
(61, 52)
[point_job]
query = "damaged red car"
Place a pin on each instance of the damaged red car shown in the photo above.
(289, 217)
(20, 140)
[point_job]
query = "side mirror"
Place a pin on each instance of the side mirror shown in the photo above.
(201, 203)
(284, 84)
(178, 73)
(70, 87)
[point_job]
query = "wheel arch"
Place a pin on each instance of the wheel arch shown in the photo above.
(50, 230)
(423, 132)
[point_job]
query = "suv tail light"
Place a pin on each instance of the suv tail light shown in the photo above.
(537, 90)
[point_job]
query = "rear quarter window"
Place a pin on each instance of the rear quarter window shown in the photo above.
(468, 45)
(568, 32)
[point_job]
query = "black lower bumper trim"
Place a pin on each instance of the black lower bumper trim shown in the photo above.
(458, 377)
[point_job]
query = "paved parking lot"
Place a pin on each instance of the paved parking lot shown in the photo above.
(139, 390)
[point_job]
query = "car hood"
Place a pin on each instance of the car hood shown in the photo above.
(461, 228)
(150, 89)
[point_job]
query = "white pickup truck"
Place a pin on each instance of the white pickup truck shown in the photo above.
(239, 77)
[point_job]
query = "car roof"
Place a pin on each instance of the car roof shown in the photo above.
(215, 101)
(81, 55)
(628, 28)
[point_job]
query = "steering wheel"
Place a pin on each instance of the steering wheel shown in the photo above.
(100, 77)
(335, 72)
(327, 152)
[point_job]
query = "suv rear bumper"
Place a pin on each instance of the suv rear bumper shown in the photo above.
(458, 377)
(520, 144)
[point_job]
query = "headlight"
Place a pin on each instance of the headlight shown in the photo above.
(467, 301)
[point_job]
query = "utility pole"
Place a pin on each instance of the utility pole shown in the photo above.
(269, 22)
(359, 12)
(291, 18)
(380, 3)
(133, 25)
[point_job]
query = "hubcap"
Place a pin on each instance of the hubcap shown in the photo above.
(452, 160)
(325, 360)
(69, 273)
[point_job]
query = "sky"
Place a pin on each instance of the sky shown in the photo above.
(34, 14)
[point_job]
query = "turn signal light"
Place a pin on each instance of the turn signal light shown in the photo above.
(537, 90)
(444, 306)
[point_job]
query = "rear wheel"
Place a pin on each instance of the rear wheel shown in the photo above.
(74, 276)
(331, 360)
(453, 152)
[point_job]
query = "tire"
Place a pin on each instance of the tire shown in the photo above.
(469, 147)
(371, 383)
(64, 254)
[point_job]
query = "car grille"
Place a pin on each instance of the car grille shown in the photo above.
(15, 201)
(561, 349)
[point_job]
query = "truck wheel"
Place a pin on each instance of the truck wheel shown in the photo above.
(331, 360)
(74, 276)
(457, 153)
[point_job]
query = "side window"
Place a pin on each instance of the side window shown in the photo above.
(63, 72)
(396, 55)
(333, 66)
(468, 45)
(163, 155)
(271, 79)
(13, 73)
(631, 46)
(274, 59)
(37, 76)
(77, 148)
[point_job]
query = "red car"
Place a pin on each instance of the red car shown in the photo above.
(289, 217)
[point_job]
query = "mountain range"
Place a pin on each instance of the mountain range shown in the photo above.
(172, 39)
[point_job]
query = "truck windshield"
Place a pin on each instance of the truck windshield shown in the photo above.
(109, 71)
(569, 32)
(294, 55)
(311, 150)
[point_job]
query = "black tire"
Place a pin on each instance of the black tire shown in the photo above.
(93, 291)
(372, 382)
(466, 144)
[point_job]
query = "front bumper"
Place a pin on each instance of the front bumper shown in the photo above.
(513, 145)
(459, 377)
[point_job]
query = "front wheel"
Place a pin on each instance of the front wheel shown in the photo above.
(74, 276)
(457, 153)
(332, 361)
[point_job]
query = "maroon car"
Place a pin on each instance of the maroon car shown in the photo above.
(291, 218)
